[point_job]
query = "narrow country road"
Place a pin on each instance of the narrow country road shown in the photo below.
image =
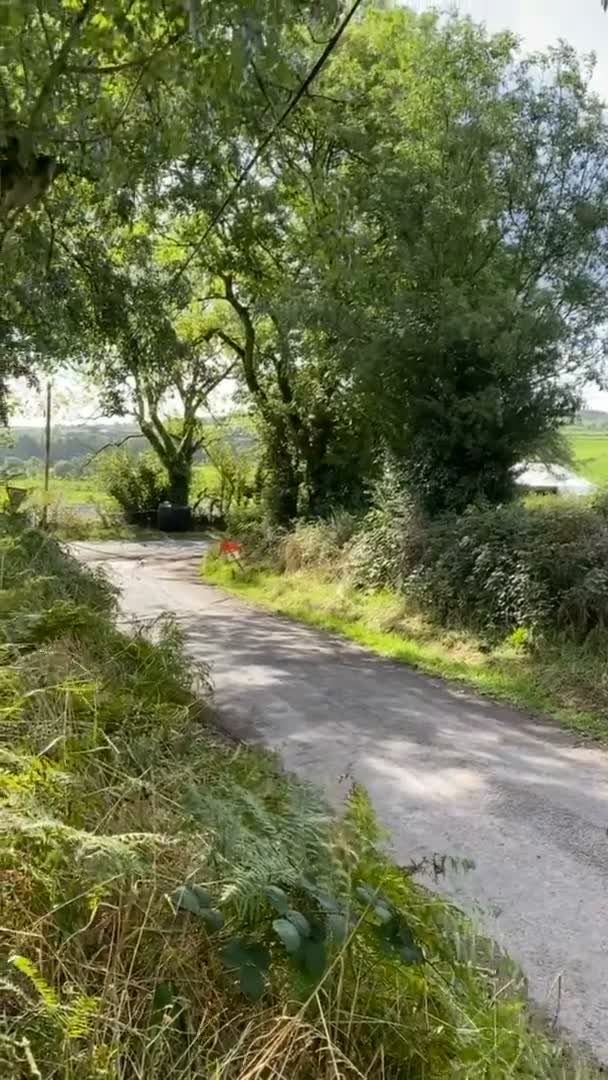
(447, 772)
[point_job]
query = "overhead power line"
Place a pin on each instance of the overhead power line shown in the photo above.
(312, 74)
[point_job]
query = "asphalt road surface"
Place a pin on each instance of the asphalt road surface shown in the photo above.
(448, 773)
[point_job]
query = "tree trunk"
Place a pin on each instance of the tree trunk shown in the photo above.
(281, 494)
(321, 488)
(282, 499)
(180, 478)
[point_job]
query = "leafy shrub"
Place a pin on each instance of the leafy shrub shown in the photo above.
(385, 548)
(316, 543)
(231, 489)
(538, 568)
(65, 469)
(244, 521)
(260, 538)
(138, 482)
(516, 566)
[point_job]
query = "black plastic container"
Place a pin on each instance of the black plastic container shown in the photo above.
(174, 518)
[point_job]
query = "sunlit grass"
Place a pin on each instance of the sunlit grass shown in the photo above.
(590, 449)
(87, 491)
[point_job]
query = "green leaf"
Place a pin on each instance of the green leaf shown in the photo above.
(252, 982)
(257, 955)
(278, 898)
(338, 927)
(212, 918)
(238, 954)
(411, 954)
(234, 954)
(408, 950)
(288, 934)
(366, 894)
(165, 1003)
(314, 956)
(185, 899)
(328, 902)
(300, 922)
(318, 930)
(383, 912)
(164, 996)
(202, 895)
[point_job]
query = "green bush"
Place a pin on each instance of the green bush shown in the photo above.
(543, 569)
(138, 482)
(65, 469)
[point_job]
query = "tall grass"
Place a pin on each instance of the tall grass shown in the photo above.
(118, 796)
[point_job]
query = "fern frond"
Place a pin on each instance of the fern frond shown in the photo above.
(80, 1017)
(28, 968)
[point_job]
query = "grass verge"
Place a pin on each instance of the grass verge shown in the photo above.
(561, 680)
(174, 906)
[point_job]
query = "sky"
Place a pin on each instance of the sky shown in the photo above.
(537, 23)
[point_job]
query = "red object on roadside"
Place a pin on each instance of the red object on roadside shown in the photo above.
(229, 547)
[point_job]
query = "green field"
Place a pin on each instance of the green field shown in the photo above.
(86, 491)
(590, 449)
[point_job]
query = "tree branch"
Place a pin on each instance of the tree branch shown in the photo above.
(126, 65)
(58, 65)
(231, 343)
(111, 445)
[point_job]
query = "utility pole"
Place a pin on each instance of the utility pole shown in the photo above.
(47, 454)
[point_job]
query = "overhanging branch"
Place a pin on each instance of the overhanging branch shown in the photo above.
(112, 446)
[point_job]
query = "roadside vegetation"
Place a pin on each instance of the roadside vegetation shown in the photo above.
(512, 601)
(121, 492)
(173, 905)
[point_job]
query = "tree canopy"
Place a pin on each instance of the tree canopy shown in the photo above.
(100, 101)
(421, 261)
(415, 262)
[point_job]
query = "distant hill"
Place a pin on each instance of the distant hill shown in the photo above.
(24, 445)
(69, 442)
(593, 419)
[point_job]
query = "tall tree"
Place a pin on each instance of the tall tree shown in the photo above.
(451, 199)
(147, 347)
(268, 259)
(102, 99)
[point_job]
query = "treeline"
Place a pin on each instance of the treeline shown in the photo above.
(594, 419)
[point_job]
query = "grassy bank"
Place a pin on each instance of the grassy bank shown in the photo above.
(173, 906)
(562, 680)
